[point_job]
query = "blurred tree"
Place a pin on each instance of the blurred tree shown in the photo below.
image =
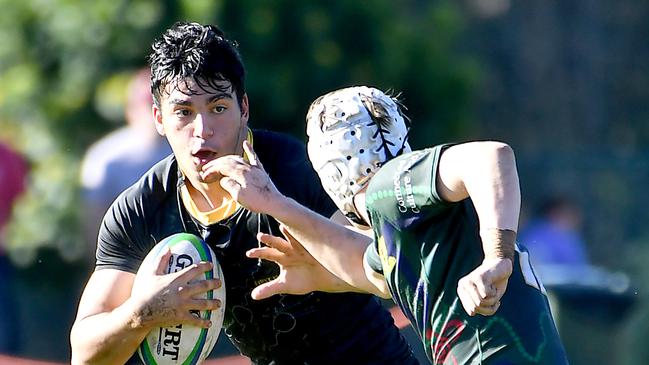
(56, 55)
(295, 51)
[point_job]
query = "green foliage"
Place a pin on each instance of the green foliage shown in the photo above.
(55, 54)
(307, 48)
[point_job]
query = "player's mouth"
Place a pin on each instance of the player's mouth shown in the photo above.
(203, 156)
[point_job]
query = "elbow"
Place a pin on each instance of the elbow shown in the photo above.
(499, 150)
(505, 152)
(80, 355)
(496, 154)
(75, 346)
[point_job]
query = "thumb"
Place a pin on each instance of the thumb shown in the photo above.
(231, 186)
(268, 289)
(162, 263)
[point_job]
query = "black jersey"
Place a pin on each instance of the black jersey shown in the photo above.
(317, 328)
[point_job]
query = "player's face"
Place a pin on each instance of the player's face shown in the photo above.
(201, 127)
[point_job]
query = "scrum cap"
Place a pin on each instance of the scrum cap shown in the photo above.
(352, 132)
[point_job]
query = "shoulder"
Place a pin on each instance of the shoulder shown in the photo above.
(280, 152)
(405, 186)
(125, 232)
(410, 162)
(272, 143)
(153, 187)
(134, 206)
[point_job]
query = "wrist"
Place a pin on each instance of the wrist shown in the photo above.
(498, 243)
(136, 315)
(277, 205)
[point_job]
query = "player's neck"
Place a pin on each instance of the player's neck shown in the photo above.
(207, 197)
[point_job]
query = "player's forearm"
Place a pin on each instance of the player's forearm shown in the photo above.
(337, 248)
(486, 172)
(331, 283)
(493, 186)
(106, 338)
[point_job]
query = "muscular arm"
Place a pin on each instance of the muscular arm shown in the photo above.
(111, 321)
(486, 172)
(106, 331)
(339, 249)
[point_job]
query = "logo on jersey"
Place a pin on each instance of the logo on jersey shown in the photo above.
(404, 191)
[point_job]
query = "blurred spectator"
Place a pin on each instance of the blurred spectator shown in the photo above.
(117, 160)
(13, 173)
(553, 237)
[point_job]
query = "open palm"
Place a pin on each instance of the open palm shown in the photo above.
(300, 273)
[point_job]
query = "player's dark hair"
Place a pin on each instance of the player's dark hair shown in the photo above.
(192, 51)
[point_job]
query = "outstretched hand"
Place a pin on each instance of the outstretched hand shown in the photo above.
(481, 290)
(246, 181)
(300, 273)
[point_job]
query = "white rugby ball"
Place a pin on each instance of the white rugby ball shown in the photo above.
(183, 344)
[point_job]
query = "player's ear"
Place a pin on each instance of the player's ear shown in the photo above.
(157, 119)
(244, 108)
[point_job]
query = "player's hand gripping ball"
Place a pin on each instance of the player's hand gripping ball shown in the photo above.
(184, 344)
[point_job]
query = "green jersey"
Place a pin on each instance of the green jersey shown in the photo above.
(423, 245)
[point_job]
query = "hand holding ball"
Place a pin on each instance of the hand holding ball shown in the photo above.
(183, 343)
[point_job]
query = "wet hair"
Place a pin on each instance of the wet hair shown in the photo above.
(202, 53)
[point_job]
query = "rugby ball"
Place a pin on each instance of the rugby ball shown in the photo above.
(183, 344)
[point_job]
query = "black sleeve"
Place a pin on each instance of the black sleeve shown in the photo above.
(126, 232)
(117, 246)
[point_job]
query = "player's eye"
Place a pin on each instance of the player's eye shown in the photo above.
(219, 109)
(182, 113)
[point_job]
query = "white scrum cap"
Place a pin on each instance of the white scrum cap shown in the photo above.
(352, 132)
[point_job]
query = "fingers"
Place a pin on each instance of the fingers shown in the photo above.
(231, 186)
(472, 307)
(250, 154)
(186, 317)
(199, 287)
(275, 242)
(488, 310)
(229, 165)
(265, 253)
(204, 304)
(191, 272)
(162, 264)
(478, 295)
(467, 300)
(484, 288)
(269, 289)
